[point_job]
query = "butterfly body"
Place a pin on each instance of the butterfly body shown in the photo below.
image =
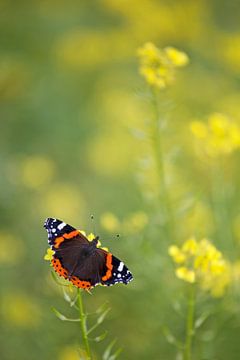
(81, 261)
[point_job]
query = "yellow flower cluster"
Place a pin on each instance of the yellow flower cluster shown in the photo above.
(200, 262)
(158, 66)
(220, 136)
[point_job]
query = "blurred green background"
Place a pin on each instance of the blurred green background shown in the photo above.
(72, 140)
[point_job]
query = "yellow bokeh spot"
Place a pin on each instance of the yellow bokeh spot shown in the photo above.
(199, 129)
(20, 310)
(220, 136)
(69, 353)
(37, 171)
(11, 249)
(135, 222)
(109, 222)
(63, 200)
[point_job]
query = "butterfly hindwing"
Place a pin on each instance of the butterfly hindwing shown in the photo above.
(115, 271)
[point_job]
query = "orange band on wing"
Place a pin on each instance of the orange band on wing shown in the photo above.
(109, 267)
(63, 272)
(80, 283)
(58, 268)
(68, 236)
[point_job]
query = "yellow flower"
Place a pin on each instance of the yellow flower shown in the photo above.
(177, 255)
(186, 274)
(91, 237)
(49, 254)
(199, 129)
(158, 66)
(176, 57)
(201, 262)
(220, 136)
(190, 246)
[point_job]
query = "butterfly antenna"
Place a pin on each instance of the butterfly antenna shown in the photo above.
(93, 225)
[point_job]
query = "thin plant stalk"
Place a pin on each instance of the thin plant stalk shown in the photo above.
(190, 323)
(156, 136)
(83, 325)
(220, 205)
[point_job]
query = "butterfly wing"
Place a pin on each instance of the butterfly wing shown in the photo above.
(79, 261)
(115, 271)
(70, 247)
(58, 231)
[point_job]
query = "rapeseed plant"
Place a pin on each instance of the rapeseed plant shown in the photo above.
(158, 67)
(219, 137)
(200, 262)
(75, 300)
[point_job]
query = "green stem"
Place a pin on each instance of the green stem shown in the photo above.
(190, 323)
(83, 324)
(220, 204)
(156, 135)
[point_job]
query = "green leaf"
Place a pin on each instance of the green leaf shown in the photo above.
(171, 338)
(61, 316)
(115, 355)
(199, 321)
(66, 296)
(101, 337)
(99, 321)
(107, 353)
(103, 315)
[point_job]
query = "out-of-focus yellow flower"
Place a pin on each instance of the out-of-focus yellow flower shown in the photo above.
(49, 254)
(186, 274)
(199, 129)
(68, 353)
(177, 254)
(194, 217)
(176, 57)
(109, 222)
(220, 136)
(20, 310)
(135, 222)
(11, 249)
(91, 237)
(64, 200)
(190, 247)
(201, 262)
(157, 66)
(37, 171)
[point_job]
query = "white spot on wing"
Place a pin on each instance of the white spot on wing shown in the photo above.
(120, 267)
(61, 226)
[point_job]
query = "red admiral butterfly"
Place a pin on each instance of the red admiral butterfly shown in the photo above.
(80, 260)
